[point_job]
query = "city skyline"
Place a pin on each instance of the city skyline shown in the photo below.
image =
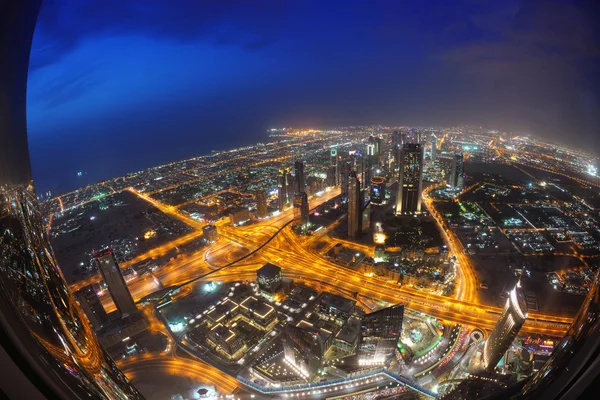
(323, 259)
(185, 79)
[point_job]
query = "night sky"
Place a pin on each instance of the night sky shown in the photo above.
(119, 85)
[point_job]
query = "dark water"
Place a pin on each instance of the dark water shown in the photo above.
(56, 161)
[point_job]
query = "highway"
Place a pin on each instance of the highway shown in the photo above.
(287, 250)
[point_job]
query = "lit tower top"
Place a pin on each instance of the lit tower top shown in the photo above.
(512, 319)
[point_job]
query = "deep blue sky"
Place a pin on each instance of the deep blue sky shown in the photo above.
(119, 85)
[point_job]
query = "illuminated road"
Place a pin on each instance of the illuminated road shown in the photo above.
(297, 261)
(135, 367)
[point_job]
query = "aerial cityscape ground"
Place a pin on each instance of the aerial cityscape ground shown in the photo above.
(361, 262)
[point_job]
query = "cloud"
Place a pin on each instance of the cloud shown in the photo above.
(64, 24)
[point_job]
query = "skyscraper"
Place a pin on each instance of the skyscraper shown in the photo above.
(300, 180)
(434, 147)
(512, 319)
(408, 199)
(283, 178)
(354, 206)
(344, 177)
(457, 171)
(333, 157)
(301, 209)
(111, 273)
(379, 154)
(377, 189)
(304, 348)
(370, 161)
(261, 203)
(91, 305)
(380, 334)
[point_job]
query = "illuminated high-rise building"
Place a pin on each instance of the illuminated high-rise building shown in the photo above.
(300, 180)
(434, 147)
(91, 306)
(512, 319)
(261, 203)
(354, 206)
(379, 154)
(408, 199)
(301, 209)
(304, 347)
(370, 161)
(283, 180)
(456, 179)
(380, 334)
(377, 190)
(333, 157)
(344, 177)
(113, 277)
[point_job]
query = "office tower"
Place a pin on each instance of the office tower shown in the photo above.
(301, 209)
(269, 278)
(354, 206)
(380, 334)
(304, 347)
(370, 161)
(330, 179)
(339, 167)
(300, 181)
(289, 185)
(434, 147)
(210, 233)
(408, 199)
(456, 174)
(91, 305)
(344, 178)
(396, 139)
(512, 319)
(111, 273)
(377, 189)
(333, 157)
(48, 349)
(261, 203)
(379, 154)
(365, 222)
(282, 191)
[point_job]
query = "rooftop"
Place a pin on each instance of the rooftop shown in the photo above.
(337, 302)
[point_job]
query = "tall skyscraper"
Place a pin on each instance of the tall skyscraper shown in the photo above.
(91, 306)
(512, 319)
(344, 177)
(301, 209)
(377, 189)
(261, 203)
(379, 154)
(434, 147)
(380, 334)
(408, 199)
(300, 180)
(354, 206)
(284, 188)
(111, 273)
(457, 172)
(333, 157)
(370, 162)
